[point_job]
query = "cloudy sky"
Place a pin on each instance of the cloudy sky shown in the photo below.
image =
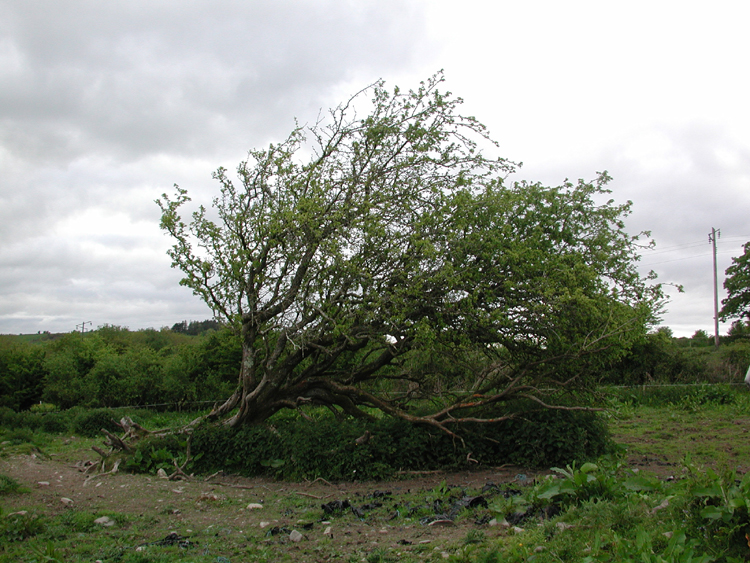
(105, 105)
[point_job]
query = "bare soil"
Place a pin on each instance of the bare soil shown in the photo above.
(214, 514)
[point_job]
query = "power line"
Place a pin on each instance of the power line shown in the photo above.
(703, 254)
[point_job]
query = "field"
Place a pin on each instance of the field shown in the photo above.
(675, 493)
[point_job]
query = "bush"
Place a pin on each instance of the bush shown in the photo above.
(55, 423)
(89, 423)
(296, 449)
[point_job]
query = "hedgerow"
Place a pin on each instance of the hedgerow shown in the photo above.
(293, 448)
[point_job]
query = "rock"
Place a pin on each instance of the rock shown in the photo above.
(442, 522)
(19, 513)
(562, 526)
(43, 483)
(539, 549)
(295, 536)
(493, 522)
(254, 506)
(517, 530)
(264, 524)
(161, 474)
(328, 532)
(104, 521)
(66, 501)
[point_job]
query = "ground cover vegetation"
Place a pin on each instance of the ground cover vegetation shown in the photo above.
(648, 503)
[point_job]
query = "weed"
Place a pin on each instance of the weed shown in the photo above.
(9, 486)
(19, 526)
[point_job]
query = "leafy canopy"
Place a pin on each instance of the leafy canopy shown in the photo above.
(372, 260)
(737, 283)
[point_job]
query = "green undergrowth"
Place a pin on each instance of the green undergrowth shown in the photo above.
(293, 448)
(683, 396)
(607, 512)
(591, 512)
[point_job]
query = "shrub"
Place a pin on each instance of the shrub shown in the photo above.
(55, 423)
(89, 423)
(292, 448)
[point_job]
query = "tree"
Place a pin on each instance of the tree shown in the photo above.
(396, 264)
(737, 283)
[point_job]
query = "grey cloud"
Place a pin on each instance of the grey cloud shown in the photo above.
(163, 76)
(104, 105)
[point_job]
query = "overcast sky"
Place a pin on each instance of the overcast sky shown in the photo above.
(105, 105)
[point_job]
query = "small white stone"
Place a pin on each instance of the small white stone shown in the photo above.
(254, 506)
(66, 501)
(43, 483)
(328, 531)
(295, 536)
(264, 524)
(104, 521)
(562, 526)
(493, 522)
(539, 549)
(161, 474)
(517, 530)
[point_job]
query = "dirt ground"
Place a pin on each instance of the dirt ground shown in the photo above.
(217, 514)
(206, 510)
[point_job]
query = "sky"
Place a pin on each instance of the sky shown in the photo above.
(105, 105)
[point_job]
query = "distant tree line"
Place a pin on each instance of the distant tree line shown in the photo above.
(113, 366)
(195, 328)
(662, 358)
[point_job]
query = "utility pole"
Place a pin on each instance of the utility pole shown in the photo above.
(83, 326)
(713, 235)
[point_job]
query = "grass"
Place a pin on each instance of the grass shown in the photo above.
(714, 433)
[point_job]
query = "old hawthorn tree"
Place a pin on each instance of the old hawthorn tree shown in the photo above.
(373, 260)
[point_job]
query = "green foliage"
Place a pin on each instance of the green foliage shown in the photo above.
(154, 453)
(660, 359)
(91, 422)
(55, 423)
(48, 554)
(8, 485)
(737, 284)
(22, 374)
(291, 448)
(19, 436)
(397, 242)
(689, 397)
(16, 527)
